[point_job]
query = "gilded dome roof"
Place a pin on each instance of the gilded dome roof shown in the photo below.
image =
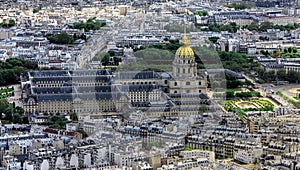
(185, 51)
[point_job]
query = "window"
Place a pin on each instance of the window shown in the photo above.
(175, 91)
(188, 83)
(166, 81)
(199, 83)
(175, 83)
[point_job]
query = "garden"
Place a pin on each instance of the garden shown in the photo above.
(248, 105)
(6, 92)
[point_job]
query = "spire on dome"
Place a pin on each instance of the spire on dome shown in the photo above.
(184, 38)
(185, 51)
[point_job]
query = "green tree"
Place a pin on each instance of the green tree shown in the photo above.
(55, 126)
(281, 74)
(11, 23)
(105, 60)
(90, 24)
(35, 11)
(8, 114)
(103, 57)
(17, 118)
(264, 26)
(112, 53)
(4, 24)
(73, 116)
(253, 26)
(3, 105)
(200, 13)
(213, 39)
(56, 119)
(117, 60)
(230, 94)
(232, 27)
(294, 49)
(19, 110)
(248, 83)
(62, 38)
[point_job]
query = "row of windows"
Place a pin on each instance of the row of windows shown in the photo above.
(187, 91)
(184, 71)
(71, 81)
(74, 84)
(63, 108)
(56, 110)
(187, 83)
(133, 83)
(188, 61)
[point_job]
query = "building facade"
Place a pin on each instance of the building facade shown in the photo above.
(100, 91)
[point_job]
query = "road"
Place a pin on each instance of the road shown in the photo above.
(267, 88)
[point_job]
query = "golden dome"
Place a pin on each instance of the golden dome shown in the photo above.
(185, 51)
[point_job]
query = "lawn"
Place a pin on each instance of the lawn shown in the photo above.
(7, 92)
